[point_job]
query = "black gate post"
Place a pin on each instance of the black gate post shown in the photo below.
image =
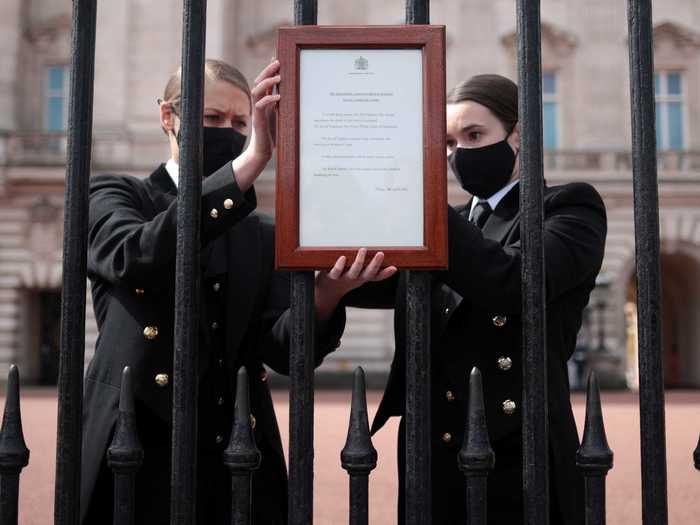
(14, 454)
(646, 226)
(183, 484)
(301, 367)
(71, 360)
(241, 456)
(418, 496)
(535, 419)
(301, 400)
(125, 455)
(476, 457)
(594, 458)
(358, 456)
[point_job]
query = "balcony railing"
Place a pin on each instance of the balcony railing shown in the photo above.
(620, 161)
(32, 148)
(37, 148)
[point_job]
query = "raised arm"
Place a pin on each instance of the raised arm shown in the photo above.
(128, 244)
(574, 240)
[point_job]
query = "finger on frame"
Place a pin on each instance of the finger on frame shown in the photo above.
(374, 266)
(338, 268)
(266, 101)
(270, 69)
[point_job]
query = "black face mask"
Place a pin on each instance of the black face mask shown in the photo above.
(483, 171)
(219, 146)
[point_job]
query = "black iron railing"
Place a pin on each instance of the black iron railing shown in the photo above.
(358, 457)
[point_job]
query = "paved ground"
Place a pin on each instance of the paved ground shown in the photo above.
(332, 410)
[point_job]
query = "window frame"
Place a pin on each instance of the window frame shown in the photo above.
(555, 99)
(662, 98)
(50, 93)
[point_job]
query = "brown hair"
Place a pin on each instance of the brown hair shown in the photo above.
(498, 93)
(213, 70)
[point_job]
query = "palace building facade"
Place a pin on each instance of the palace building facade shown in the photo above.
(587, 136)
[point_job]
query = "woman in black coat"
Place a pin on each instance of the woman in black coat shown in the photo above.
(476, 312)
(244, 316)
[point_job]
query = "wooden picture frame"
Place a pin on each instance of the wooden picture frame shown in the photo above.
(430, 252)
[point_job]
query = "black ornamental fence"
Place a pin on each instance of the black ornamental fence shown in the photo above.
(358, 457)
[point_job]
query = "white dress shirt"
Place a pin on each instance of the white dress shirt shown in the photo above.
(173, 170)
(494, 199)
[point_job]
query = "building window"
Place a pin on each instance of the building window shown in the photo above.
(550, 110)
(56, 101)
(669, 110)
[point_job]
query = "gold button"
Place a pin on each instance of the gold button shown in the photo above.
(447, 437)
(219, 438)
(139, 291)
(220, 401)
(505, 363)
(449, 395)
(500, 320)
(263, 376)
(216, 287)
(150, 332)
(214, 213)
(253, 421)
(162, 380)
(228, 204)
(509, 407)
(447, 311)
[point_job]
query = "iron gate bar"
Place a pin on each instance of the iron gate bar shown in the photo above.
(241, 456)
(183, 484)
(72, 354)
(301, 366)
(646, 229)
(125, 454)
(418, 472)
(417, 11)
(359, 456)
(594, 458)
(301, 400)
(476, 458)
(14, 454)
(418, 495)
(534, 400)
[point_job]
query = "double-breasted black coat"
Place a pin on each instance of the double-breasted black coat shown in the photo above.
(131, 261)
(476, 322)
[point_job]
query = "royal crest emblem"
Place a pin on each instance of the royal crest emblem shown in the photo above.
(361, 63)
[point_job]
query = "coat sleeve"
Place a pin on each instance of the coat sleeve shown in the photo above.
(377, 295)
(574, 240)
(277, 321)
(127, 245)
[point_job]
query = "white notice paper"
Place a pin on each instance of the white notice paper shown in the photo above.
(361, 147)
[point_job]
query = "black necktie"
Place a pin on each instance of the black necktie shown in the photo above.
(481, 213)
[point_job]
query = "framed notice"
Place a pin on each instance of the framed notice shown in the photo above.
(361, 146)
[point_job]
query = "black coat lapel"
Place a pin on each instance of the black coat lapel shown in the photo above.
(161, 188)
(504, 217)
(245, 257)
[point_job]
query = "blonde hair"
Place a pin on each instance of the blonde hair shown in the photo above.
(213, 70)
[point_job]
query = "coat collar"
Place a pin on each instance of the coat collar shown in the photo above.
(501, 221)
(160, 188)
